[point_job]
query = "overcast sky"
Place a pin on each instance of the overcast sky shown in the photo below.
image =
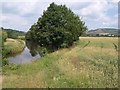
(21, 14)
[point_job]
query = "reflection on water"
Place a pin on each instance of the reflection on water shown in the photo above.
(29, 54)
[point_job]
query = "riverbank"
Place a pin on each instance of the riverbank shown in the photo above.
(90, 63)
(13, 46)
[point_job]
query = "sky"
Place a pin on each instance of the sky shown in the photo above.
(21, 14)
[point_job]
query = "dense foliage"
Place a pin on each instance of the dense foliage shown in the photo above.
(58, 27)
(4, 35)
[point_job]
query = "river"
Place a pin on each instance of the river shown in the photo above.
(24, 57)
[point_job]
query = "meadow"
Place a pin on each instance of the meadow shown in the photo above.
(13, 46)
(90, 63)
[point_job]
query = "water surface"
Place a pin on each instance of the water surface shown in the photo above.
(24, 57)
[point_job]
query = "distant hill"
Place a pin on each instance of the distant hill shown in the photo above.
(20, 33)
(103, 32)
(13, 33)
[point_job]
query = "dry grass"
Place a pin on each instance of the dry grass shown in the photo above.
(13, 46)
(91, 66)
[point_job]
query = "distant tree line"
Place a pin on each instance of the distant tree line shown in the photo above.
(12, 33)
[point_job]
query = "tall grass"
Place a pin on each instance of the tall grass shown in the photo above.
(84, 65)
(13, 46)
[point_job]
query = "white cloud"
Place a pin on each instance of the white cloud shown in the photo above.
(95, 9)
(13, 18)
(15, 21)
(97, 12)
(115, 1)
(22, 13)
(19, 0)
(20, 7)
(105, 20)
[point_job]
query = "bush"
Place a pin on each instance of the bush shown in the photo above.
(43, 51)
(12, 35)
(3, 35)
(14, 67)
(5, 62)
(6, 50)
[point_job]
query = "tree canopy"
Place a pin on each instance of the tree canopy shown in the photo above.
(58, 27)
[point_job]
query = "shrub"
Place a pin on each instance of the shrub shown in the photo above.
(5, 62)
(43, 51)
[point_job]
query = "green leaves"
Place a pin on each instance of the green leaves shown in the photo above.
(4, 35)
(58, 27)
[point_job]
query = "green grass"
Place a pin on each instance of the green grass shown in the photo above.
(13, 46)
(84, 65)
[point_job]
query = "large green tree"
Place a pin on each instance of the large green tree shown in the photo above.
(57, 27)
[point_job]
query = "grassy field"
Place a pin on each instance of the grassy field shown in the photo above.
(13, 46)
(91, 62)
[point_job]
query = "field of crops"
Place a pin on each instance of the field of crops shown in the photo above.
(89, 63)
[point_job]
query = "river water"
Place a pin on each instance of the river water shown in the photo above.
(24, 57)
